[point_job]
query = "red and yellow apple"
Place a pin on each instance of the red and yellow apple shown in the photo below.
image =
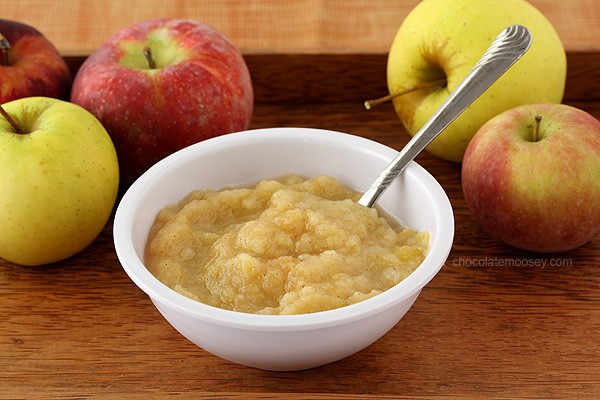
(30, 65)
(439, 43)
(531, 177)
(163, 84)
(59, 176)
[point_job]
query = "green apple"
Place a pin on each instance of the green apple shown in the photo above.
(440, 41)
(59, 179)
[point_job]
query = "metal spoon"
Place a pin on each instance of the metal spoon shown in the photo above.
(508, 47)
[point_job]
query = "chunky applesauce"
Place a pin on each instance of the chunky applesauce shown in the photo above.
(286, 246)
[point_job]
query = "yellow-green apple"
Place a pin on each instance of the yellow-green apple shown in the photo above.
(160, 85)
(440, 41)
(30, 65)
(531, 177)
(59, 178)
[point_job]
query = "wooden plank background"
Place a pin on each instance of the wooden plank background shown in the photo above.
(77, 27)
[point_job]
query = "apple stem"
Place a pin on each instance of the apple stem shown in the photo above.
(11, 121)
(419, 86)
(536, 128)
(149, 59)
(5, 49)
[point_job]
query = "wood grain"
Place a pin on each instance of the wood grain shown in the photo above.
(340, 78)
(494, 323)
(78, 27)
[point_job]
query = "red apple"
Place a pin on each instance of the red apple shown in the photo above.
(160, 85)
(531, 177)
(30, 65)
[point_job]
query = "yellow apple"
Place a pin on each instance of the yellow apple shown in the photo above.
(59, 179)
(440, 41)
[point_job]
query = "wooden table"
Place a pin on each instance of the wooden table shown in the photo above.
(494, 323)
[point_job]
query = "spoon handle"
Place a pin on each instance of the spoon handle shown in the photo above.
(508, 47)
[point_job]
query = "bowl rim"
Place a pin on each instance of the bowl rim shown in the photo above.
(159, 293)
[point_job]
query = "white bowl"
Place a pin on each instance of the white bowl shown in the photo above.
(283, 342)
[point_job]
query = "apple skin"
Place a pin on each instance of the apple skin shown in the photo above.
(541, 196)
(445, 38)
(201, 88)
(59, 180)
(35, 68)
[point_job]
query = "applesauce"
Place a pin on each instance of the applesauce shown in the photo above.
(286, 246)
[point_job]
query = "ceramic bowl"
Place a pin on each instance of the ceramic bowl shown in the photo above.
(283, 342)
